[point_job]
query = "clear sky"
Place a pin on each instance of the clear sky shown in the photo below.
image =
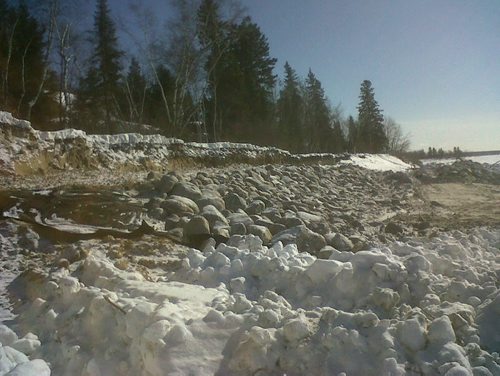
(434, 64)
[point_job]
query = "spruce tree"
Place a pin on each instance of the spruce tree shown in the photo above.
(245, 85)
(100, 87)
(372, 138)
(291, 111)
(317, 116)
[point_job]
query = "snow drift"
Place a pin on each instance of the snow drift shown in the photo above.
(424, 307)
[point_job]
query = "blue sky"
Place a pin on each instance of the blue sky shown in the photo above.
(434, 64)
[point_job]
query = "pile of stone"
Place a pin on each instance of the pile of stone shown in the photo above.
(319, 208)
(461, 171)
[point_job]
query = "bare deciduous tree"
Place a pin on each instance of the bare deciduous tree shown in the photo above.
(397, 141)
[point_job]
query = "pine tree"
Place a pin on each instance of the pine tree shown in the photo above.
(372, 138)
(245, 85)
(291, 111)
(100, 87)
(317, 116)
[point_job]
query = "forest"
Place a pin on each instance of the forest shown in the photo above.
(207, 75)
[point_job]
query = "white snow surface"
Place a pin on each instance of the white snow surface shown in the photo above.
(423, 307)
(380, 162)
(6, 118)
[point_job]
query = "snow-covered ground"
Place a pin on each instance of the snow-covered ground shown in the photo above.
(420, 307)
(342, 298)
(380, 162)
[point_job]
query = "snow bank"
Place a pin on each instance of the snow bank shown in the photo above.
(6, 119)
(75, 149)
(380, 162)
(424, 307)
(14, 354)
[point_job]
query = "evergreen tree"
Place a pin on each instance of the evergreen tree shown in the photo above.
(245, 85)
(100, 87)
(317, 116)
(290, 109)
(372, 138)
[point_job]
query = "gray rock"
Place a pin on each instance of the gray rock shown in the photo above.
(167, 183)
(238, 229)
(255, 207)
(186, 189)
(153, 203)
(398, 177)
(220, 232)
(179, 205)
(276, 228)
(212, 215)
(290, 222)
(157, 213)
(339, 242)
(240, 217)
(171, 221)
(177, 233)
(29, 239)
(308, 217)
(260, 231)
(306, 240)
(196, 226)
(326, 252)
(210, 197)
(234, 202)
(153, 175)
(393, 228)
(272, 213)
(310, 241)
(262, 221)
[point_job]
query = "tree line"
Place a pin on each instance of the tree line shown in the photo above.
(208, 75)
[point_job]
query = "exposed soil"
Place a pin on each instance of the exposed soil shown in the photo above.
(455, 205)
